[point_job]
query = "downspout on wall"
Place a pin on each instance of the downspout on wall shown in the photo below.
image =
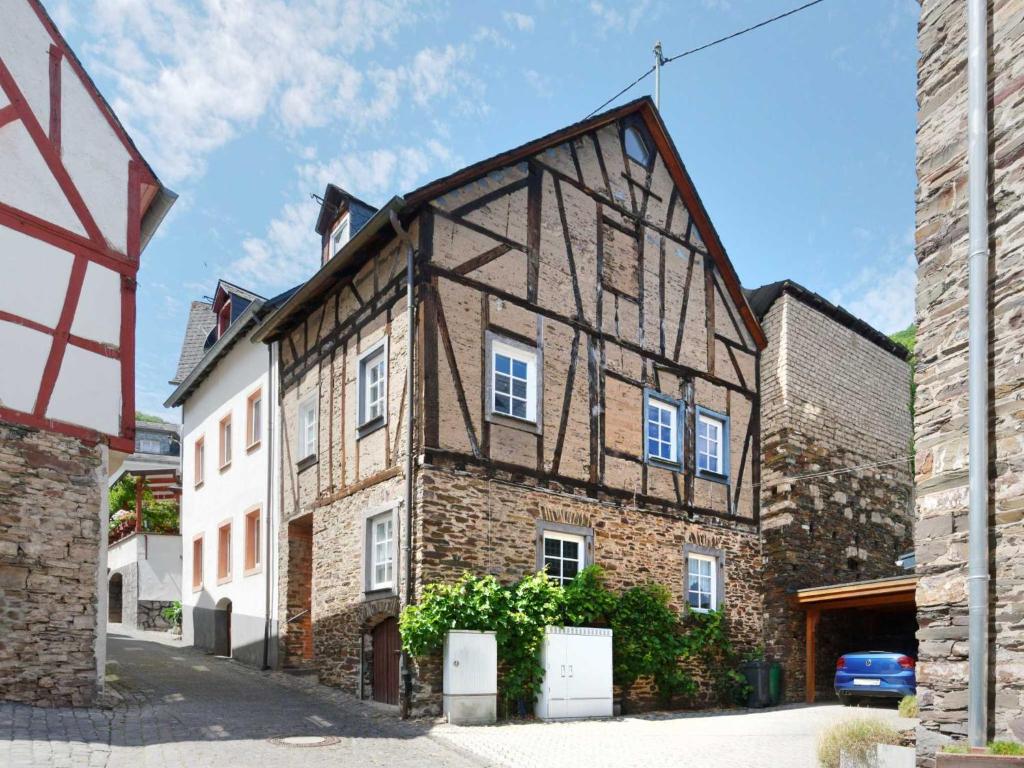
(268, 509)
(410, 399)
(977, 373)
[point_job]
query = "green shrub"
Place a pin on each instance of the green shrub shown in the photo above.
(1005, 748)
(957, 748)
(648, 639)
(173, 613)
(857, 738)
(908, 707)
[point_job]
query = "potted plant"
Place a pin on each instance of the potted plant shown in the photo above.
(998, 754)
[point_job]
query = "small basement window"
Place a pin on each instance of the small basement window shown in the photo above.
(636, 146)
(563, 556)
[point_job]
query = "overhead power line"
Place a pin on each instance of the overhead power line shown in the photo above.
(705, 46)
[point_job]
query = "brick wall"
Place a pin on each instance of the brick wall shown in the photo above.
(832, 399)
(941, 423)
(49, 551)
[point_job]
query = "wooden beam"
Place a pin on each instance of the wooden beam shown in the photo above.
(811, 629)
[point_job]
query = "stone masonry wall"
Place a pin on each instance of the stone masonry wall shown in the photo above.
(831, 400)
(49, 552)
(941, 422)
(467, 522)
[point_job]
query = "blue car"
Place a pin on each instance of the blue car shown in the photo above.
(874, 673)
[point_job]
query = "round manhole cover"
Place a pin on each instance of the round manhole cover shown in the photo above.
(305, 741)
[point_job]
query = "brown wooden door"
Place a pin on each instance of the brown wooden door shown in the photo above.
(386, 650)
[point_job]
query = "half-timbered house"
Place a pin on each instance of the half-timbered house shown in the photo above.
(78, 204)
(584, 391)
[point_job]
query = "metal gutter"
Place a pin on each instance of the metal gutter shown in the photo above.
(977, 371)
(268, 509)
(410, 413)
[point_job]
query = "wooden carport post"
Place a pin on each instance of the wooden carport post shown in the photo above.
(813, 614)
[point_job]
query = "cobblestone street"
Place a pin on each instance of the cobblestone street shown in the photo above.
(184, 708)
(180, 707)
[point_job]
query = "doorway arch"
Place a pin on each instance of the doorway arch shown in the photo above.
(222, 628)
(115, 598)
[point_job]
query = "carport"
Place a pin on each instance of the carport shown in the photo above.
(882, 600)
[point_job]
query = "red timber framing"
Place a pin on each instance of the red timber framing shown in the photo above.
(143, 187)
(895, 592)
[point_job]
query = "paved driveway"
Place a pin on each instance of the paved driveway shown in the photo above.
(779, 738)
(184, 708)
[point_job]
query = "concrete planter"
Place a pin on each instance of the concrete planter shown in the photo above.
(947, 760)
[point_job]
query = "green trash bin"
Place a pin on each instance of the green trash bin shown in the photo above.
(775, 684)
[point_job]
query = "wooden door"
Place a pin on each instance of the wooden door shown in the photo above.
(386, 651)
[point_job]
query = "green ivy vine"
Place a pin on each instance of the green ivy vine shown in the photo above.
(650, 639)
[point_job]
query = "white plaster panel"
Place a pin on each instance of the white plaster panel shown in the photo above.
(98, 316)
(26, 51)
(160, 567)
(26, 182)
(229, 494)
(95, 158)
(25, 353)
(88, 391)
(33, 277)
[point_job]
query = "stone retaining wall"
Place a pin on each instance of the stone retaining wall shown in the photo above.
(49, 553)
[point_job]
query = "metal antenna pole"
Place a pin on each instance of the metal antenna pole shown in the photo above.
(658, 61)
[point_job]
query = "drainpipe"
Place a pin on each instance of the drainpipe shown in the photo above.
(977, 375)
(268, 513)
(406, 599)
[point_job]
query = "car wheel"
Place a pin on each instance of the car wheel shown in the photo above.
(846, 700)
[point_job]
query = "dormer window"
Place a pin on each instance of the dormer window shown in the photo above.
(636, 145)
(339, 235)
(223, 318)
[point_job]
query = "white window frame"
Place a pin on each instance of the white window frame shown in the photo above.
(721, 421)
(676, 410)
(515, 353)
(305, 446)
(581, 550)
(646, 160)
(341, 228)
(388, 516)
(364, 423)
(712, 591)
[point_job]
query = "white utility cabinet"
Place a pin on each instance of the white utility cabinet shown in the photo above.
(577, 665)
(470, 677)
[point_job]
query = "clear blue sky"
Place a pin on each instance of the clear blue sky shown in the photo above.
(799, 136)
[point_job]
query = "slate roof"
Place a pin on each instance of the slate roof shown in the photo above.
(200, 322)
(761, 300)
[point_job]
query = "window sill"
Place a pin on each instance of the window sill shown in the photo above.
(525, 425)
(714, 477)
(303, 464)
(252, 447)
(252, 571)
(197, 589)
(378, 593)
(198, 485)
(225, 467)
(370, 427)
(224, 580)
(672, 466)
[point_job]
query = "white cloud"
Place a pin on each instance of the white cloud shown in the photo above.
(883, 293)
(611, 19)
(494, 37)
(541, 84)
(289, 250)
(520, 21)
(190, 78)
